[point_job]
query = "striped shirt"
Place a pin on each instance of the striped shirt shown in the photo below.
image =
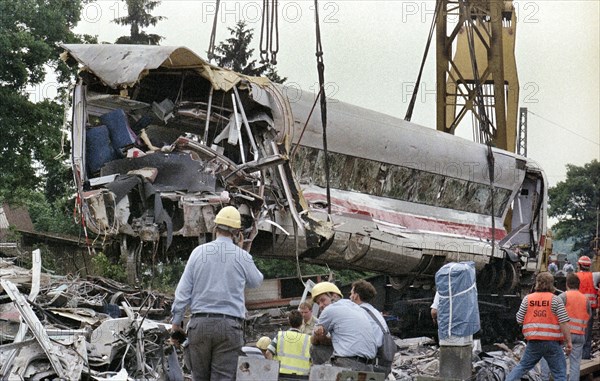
(557, 307)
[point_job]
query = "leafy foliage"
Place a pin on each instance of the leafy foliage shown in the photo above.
(164, 276)
(31, 139)
(139, 17)
(235, 53)
(575, 202)
(31, 32)
(52, 217)
(103, 266)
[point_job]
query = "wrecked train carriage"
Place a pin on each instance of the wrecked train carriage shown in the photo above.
(162, 140)
(407, 199)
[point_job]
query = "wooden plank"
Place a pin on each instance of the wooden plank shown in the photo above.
(590, 366)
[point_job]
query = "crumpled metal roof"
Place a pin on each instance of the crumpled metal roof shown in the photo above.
(120, 66)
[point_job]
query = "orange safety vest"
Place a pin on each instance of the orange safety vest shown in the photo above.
(540, 323)
(586, 287)
(577, 309)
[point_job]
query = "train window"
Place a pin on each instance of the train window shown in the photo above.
(430, 185)
(381, 176)
(408, 184)
(453, 194)
(364, 176)
(400, 183)
(337, 163)
(305, 164)
(501, 199)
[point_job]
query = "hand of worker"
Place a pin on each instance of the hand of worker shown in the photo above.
(176, 327)
(240, 240)
(177, 336)
(434, 315)
(319, 331)
(568, 348)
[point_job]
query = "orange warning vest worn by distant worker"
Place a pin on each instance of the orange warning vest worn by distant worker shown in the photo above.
(586, 287)
(577, 309)
(540, 323)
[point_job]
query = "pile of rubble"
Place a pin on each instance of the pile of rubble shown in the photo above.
(98, 329)
(72, 328)
(419, 357)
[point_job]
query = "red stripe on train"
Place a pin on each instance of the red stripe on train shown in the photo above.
(410, 222)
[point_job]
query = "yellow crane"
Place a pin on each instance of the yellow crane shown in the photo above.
(481, 77)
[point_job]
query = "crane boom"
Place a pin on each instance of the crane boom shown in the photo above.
(481, 78)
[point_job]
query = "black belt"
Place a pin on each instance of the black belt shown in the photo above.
(364, 360)
(220, 316)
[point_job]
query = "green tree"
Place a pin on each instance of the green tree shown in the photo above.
(139, 17)
(31, 32)
(235, 53)
(575, 202)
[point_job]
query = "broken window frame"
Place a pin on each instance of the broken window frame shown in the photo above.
(356, 174)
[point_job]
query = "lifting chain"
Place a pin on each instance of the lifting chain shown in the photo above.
(269, 32)
(321, 71)
(211, 45)
(413, 98)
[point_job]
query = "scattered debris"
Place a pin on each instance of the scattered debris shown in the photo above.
(72, 329)
(98, 329)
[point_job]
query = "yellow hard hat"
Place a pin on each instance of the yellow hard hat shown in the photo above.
(229, 216)
(263, 343)
(323, 288)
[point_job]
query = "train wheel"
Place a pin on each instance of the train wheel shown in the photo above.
(501, 275)
(511, 276)
(487, 279)
(398, 283)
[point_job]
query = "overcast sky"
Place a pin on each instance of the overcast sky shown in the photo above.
(373, 50)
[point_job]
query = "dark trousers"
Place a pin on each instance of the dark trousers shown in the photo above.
(587, 346)
(320, 353)
(214, 347)
(346, 362)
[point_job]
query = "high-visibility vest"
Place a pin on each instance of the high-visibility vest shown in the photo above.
(540, 323)
(577, 309)
(293, 352)
(586, 287)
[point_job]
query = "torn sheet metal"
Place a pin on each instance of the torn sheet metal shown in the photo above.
(121, 375)
(57, 339)
(36, 260)
(66, 364)
(18, 274)
(31, 363)
(124, 65)
(207, 137)
(250, 368)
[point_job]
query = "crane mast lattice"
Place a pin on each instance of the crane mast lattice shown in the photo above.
(481, 77)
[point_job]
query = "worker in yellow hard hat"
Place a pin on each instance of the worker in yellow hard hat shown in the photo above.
(260, 350)
(263, 343)
(212, 285)
(346, 327)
